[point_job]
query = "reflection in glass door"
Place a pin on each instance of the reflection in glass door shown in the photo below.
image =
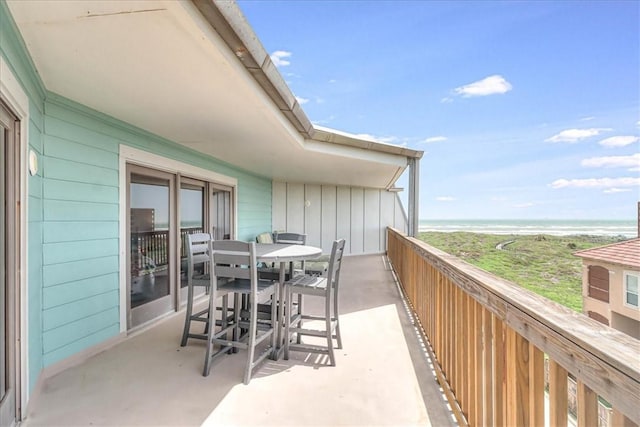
(221, 212)
(192, 220)
(151, 244)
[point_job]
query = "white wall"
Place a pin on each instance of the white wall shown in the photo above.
(325, 213)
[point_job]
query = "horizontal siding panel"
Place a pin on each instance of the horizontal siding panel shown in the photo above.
(35, 135)
(65, 293)
(71, 231)
(77, 270)
(66, 334)
(91, 337)
(69, 131)
(61, 252)
(35, 209)
(68, 170)
(35, 186)
(76, 191)
(58, 316)
(65, 210)
(63, 149)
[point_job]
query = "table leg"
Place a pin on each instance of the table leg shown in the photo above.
(280, 319)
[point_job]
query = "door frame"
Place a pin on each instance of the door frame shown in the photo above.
(14, 96)
(134, 156)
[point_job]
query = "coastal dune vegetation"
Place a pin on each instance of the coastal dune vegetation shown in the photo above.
(543, 263)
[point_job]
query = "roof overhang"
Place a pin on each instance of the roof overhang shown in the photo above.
(195, 73)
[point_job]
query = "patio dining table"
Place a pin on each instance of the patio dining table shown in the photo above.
(283, 254)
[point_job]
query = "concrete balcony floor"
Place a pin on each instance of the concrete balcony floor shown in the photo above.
(382, 375)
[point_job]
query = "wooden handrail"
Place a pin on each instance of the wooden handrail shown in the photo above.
(489, 338)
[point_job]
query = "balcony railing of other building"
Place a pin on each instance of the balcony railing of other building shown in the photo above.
(488, 339)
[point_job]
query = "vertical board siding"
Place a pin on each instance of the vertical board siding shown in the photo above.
(313, 214)
(371, 221)
(295, 208)
(329, 216)
(358, 215)
(343, 216)
(357, 220)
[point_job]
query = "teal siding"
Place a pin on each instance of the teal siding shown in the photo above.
(13, 51)
(81, 223)
(73, 212)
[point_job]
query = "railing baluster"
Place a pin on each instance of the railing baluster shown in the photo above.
(536, 386)
(487, 361)
(557, 395)
(587, 406)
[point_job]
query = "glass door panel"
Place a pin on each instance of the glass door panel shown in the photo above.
(192, 220)
(222, 212)
(151, 244)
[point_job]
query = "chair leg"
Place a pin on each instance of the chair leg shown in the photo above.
(187, 320)
(336, 316)
(237, 309)
(210, 332)
(298, 336)
(253, 325)
(287, 321)
(329, 334)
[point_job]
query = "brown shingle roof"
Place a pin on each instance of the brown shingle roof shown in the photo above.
(625, 253)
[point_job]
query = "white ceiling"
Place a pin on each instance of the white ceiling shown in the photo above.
(160, 66)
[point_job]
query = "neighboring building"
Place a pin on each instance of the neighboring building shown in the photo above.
(123, 127)
(611, 284)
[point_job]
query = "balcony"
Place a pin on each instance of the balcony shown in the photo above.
(382, 376)
(489, 340)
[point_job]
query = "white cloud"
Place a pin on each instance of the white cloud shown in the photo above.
(632, 161)
(446, 100)
(575, 135)
(619, 141)
(278, 58)
(587, 119)
(435, 139)
(385, 139)
(616, 190)
(524, 205)
(488, 86)
(606, 183)
(301, 100)
(445, 199)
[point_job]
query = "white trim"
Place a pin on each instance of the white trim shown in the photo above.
(625, 274)
(14, 95)
(144, 158)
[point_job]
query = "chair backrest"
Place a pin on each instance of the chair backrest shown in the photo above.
(234, 259)
(264, 238)
(335, 262)
(290, 238)
(197, 251)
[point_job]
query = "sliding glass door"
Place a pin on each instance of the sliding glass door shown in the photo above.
(163, 209)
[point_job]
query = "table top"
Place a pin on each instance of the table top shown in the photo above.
(277, 252)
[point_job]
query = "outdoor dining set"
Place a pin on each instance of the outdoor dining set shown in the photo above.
(255, 297)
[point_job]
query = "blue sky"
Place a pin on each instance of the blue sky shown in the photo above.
(523, 109)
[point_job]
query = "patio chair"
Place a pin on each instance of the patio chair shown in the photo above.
(235, 262)
(198, 255)
(325, 287)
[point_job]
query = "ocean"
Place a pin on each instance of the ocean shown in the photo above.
(626, 228)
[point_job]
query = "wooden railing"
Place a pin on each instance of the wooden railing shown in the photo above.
(488, 339)
(154, 245)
